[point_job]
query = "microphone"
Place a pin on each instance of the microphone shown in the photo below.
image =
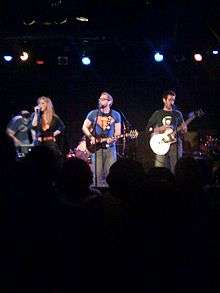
(37, 109)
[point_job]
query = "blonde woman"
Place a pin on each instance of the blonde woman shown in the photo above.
(46, 123)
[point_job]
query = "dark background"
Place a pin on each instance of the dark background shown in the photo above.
(121, 39)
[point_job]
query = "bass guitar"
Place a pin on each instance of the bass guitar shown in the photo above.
(160, 143)
(105, 142)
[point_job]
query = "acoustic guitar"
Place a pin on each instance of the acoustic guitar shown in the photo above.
(160, 143)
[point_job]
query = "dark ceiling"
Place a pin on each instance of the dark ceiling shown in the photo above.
(121, 37)
(195, 22)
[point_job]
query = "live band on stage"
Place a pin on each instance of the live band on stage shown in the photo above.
(107, 135)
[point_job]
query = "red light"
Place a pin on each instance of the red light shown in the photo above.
(40, 62)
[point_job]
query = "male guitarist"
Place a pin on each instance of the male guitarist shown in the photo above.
(102, 127)
(166, 121)
(19, 130)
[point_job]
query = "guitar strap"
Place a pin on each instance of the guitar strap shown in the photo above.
(94, 123)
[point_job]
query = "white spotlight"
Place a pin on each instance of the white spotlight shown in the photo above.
(24, 56)
(158, 57)
(86, 60)
(8, 58)
(82, 18)
(215, 52)
(198, 57)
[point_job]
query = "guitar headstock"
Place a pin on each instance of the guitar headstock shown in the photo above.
(132, 134)
(197, 113)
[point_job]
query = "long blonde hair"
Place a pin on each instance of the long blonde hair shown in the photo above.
(49, 111)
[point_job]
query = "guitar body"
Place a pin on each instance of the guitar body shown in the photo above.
(92, 148)
(158, 145)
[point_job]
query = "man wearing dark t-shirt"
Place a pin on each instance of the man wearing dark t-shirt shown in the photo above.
(18, 129)
(167, 120)
(103, 124)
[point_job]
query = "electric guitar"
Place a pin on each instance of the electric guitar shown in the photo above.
(105, 142)
(160, 143)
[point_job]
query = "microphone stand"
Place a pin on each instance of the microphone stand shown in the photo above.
(39, 126)
(177, 136)
(95, 135)
(124, 140)
(126, 125)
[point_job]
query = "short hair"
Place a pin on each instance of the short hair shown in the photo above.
(167, 93)
(109, 97)
(25, 114)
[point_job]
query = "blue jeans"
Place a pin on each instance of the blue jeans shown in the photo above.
(101, 163)
(170, 159)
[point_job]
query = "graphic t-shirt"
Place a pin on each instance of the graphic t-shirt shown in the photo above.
(104, 123)
(172, 119)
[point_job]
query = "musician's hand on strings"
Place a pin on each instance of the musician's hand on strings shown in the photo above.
(110, 140)
(92, 140)
(160, 129)
(17, 141)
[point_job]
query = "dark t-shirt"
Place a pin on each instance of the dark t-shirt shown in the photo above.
(20, 128)
(56, 124)
(105, 124)
(173, 119)
(168, 118)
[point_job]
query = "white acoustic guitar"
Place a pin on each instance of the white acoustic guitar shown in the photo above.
(160, 143)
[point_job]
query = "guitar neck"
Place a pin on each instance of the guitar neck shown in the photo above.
(130, 134)
(186, 122)
(104, 139)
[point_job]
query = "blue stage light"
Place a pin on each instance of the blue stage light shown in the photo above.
(158, 57)
(86, 60)
(8, 58)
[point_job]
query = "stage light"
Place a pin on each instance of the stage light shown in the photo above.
(158, 57)
(215, 52)
(82, 19)
(63, 60)
(29, 21)
(61, 20)
(86, 60)
(24, 56)
(39, 62)
(7, 58)
(198, 57)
